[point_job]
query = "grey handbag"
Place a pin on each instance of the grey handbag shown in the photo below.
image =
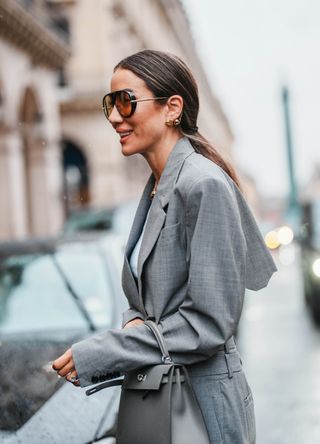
(157, 404)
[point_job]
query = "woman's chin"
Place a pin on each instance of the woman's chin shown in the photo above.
(128, 150)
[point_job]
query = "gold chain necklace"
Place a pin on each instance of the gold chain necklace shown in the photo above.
(153, 192)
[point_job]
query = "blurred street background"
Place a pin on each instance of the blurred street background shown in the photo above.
(279, 344)
(68, 196)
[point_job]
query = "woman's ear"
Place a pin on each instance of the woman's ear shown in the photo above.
(175, 107)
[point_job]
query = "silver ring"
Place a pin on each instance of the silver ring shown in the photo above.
(73, 379)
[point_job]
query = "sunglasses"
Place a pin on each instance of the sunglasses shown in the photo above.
(125, 102)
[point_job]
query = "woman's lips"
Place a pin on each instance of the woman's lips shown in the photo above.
(124, 136)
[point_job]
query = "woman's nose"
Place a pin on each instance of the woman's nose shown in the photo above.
(115, 117)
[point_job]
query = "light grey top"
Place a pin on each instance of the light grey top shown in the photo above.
(201, 249)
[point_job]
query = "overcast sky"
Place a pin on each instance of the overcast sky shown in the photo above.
(250, 48)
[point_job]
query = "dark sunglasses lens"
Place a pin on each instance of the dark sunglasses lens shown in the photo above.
(108, 104)
(123, 103)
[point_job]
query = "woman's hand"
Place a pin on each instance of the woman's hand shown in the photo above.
(134, 323)
(64, 366)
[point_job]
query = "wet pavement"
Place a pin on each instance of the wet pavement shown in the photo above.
(280, 348)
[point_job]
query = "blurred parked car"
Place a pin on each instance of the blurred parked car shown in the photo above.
(52, 294)
(118, 219)
(310, 255)
(89, 219)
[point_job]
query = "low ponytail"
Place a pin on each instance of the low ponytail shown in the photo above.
(202, 146)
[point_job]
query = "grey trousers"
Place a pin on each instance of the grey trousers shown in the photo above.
(225, 397)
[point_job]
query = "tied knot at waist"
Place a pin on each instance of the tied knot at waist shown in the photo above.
(226, 359)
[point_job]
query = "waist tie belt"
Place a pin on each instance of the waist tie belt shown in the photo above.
(225, 360)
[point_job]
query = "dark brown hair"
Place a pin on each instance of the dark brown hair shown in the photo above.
(166, 75)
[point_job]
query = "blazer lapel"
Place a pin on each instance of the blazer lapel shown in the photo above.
(155, 222)
(156, 219)
(140, 216)
(157, 215)
(128, 280)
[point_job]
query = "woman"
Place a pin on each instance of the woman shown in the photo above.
(193, 249)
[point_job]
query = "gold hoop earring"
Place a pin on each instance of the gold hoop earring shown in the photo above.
(174, 122)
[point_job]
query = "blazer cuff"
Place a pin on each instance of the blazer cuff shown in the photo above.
(79, 359)
(131, 314)
(79, 354)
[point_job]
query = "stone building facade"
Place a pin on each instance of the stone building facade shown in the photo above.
(99, 38)
(30, 160)
(57, 151)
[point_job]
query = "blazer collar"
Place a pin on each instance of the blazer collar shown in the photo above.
(169, 176)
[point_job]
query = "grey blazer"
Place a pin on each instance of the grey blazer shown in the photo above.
(201, 249)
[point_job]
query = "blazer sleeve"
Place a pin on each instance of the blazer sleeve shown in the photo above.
(220, 254)
(217, 256)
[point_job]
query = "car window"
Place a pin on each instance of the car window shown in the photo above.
(34, 296)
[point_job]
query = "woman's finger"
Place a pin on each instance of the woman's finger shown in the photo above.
(62, 360)
(67, 368)
(133, 323)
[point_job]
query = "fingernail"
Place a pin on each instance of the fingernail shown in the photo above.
(48, 367)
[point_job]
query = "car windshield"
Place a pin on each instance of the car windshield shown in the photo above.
(34, 296)
(40, 317)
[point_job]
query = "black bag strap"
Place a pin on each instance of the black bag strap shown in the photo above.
(106, 384)
(166, 358)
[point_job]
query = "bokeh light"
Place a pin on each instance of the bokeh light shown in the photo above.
(285, 235)
(316, 267)
(271, 240)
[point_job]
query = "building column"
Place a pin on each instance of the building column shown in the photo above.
(13, 220)
(45, 188)
(54, 199)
